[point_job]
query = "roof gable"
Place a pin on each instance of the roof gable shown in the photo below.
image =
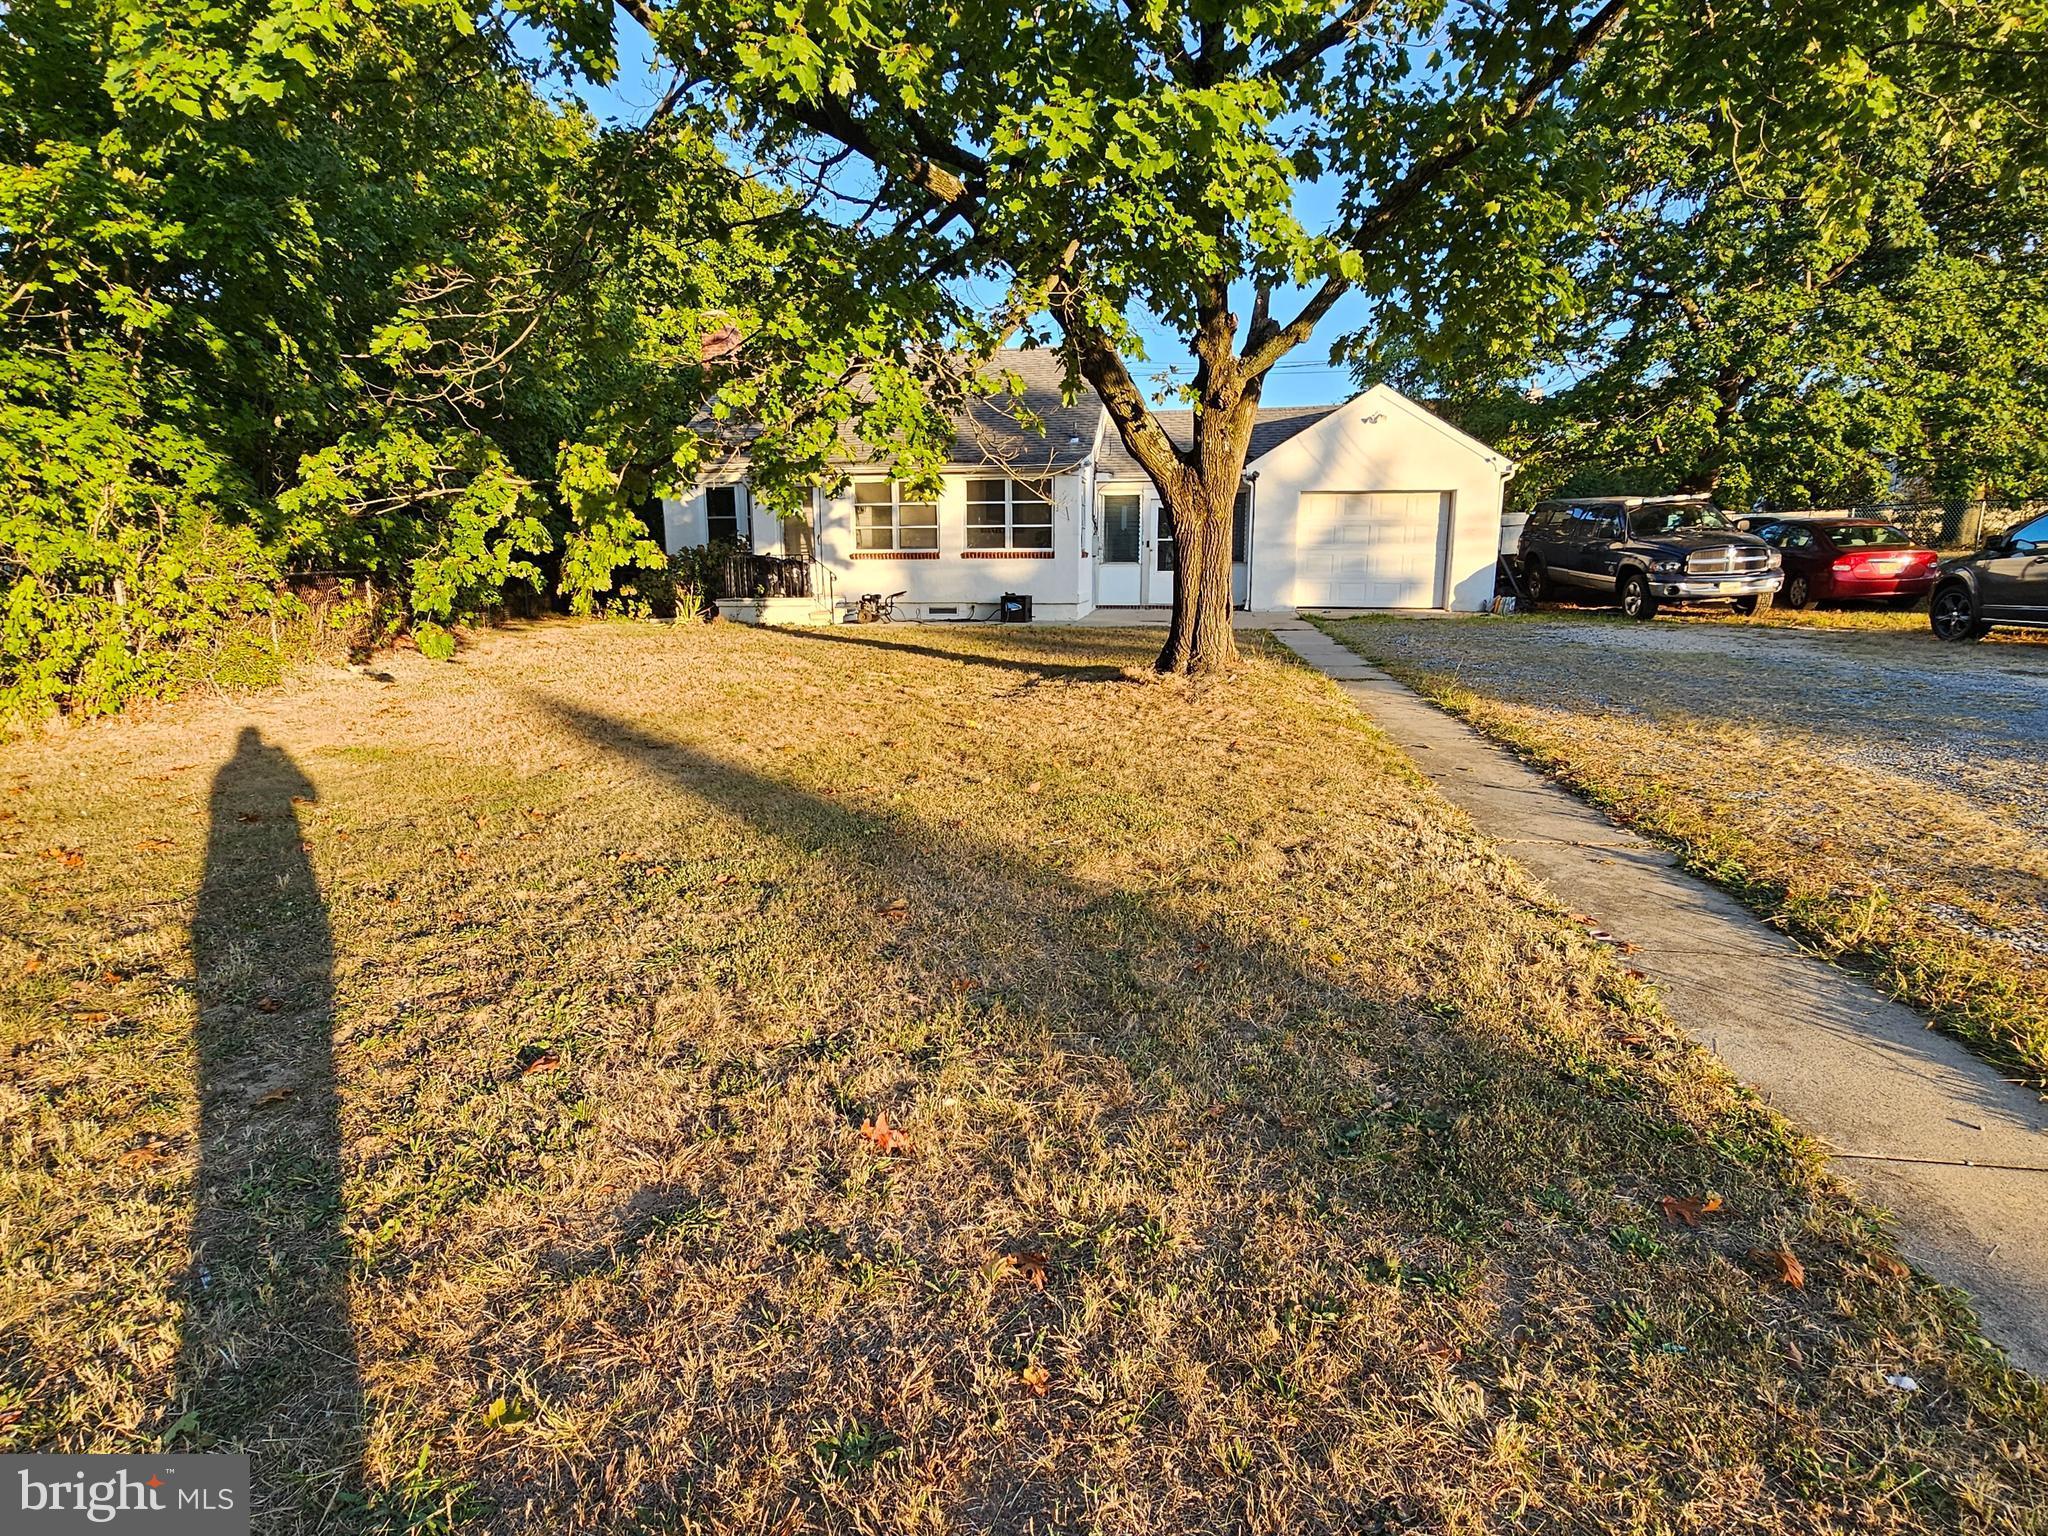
(1279, 425)
(1386, 394)
(1274, 425)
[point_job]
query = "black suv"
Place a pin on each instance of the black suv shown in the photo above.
(2005, 582)
(1644, 551)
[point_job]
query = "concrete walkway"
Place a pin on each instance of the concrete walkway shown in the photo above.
(1956, 1153)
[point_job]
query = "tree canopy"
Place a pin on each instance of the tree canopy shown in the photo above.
(343, 288)
(1733, 339)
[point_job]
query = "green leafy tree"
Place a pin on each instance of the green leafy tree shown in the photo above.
(288, 285)
(1735, 340)
(1103, 163)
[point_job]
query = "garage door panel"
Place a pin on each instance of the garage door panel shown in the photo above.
(1371, 549)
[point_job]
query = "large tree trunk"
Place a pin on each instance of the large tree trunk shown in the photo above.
(1201, 639)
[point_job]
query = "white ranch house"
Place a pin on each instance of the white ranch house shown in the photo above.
(1374, 503)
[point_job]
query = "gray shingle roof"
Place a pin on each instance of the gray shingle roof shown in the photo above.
(1275, 424)
(1033, 432)
(1005, 429)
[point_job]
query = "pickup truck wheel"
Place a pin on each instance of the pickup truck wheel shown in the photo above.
(1745, 606)
(1953, 614)
(1535, 583)
(1637, 600)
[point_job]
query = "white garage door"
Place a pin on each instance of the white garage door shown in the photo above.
(1371, 549)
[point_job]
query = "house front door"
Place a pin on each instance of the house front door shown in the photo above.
(1119, 573)
(1159, 555)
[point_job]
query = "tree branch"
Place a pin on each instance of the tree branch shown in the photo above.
(1263, 350)
(1101, 362)
(1339, 29)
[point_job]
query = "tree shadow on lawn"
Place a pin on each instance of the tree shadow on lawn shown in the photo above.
(1079, 672)
(1427, 1147)
(267, 1360)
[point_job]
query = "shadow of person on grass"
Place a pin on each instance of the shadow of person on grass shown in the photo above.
(267, 1361)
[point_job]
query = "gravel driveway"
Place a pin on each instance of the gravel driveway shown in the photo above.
(1969, 720)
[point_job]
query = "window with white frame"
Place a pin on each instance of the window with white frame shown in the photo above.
(886, 520)
(1009, 514)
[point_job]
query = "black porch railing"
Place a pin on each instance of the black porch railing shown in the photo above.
(743, 576)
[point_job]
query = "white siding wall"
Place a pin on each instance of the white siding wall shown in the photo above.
(973, 585)
(1379, 442)
(1059, 587)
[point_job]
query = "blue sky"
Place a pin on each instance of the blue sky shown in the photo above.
(1304, 377)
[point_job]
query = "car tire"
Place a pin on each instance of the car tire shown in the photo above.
(1796, 593)
(1745, 606)
(1952, 614)
(1535, 583)
(1637, 600)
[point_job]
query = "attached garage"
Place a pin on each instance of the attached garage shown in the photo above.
(1371, 549)
(1376, 504)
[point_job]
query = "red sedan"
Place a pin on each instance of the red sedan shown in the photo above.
(1849, 560)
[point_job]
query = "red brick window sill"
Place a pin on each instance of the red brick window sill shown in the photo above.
(1006, 554)
(896, 554)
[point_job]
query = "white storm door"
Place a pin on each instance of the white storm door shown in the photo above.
(1158, 554)
(1118, 573)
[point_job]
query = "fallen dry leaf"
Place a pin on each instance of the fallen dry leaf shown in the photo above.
(1690, 1208)
(1891, 1266)
(276, 1096)
(1036, 1377)
(1031, 1269)
(884, 1137)
(150, 1150)
(250, 816)
(268, 1005)
(895, 911)
(546, 1061)
(155, 844)
(1784, 1265)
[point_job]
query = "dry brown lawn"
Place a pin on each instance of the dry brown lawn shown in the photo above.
(453, 1088)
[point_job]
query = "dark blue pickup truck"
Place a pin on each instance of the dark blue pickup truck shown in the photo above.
(1644, 552)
